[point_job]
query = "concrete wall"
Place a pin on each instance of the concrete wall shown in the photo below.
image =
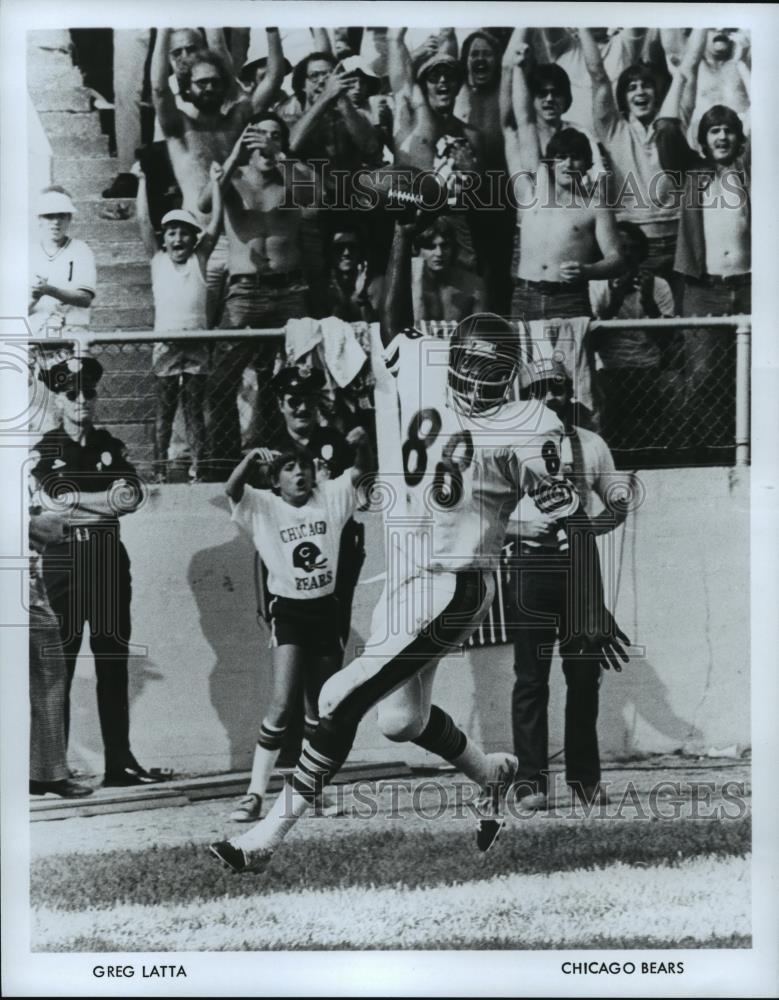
(199, 676)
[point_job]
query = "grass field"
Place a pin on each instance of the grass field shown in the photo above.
(345, 884)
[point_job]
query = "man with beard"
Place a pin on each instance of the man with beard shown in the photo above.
(201, 123)
(202, 128)
(713, 252)
(477, 101)
(266, 285)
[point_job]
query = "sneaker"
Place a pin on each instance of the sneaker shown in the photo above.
(492, 798)
(248, 809)
(239, 860)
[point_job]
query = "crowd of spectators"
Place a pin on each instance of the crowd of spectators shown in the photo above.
(589, 173)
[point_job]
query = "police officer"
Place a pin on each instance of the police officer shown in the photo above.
(85, 470)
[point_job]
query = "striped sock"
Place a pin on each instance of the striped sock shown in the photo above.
(266, 753)
(319, 762)
(441, 736)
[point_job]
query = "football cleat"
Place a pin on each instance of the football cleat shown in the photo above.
(491, 800)
(239, 860)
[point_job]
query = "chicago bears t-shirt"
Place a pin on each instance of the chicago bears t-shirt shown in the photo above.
(299, 545)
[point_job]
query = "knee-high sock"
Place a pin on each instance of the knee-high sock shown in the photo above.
(443, 737)
(320, 760)
(266, 753)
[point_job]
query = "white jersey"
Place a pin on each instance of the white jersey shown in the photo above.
(299, 545)
(71, 266)
(461, 475)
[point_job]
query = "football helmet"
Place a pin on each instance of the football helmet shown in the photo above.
(483, 362)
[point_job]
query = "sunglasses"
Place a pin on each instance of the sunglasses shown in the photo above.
(434, 76)
(73, 394)
(293, 402)
(213, 84)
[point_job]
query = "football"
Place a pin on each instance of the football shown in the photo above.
(405, 190)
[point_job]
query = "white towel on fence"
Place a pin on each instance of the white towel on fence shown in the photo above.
(302, 336)
(343, 355)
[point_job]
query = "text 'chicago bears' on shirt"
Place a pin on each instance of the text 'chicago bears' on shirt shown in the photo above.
(299, 545)
(460, 476)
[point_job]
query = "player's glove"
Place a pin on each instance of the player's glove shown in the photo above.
(606, 645)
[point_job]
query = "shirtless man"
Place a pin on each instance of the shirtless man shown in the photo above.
(440, 289)
(567, 238)
(219, 112)
(202, 122)
(424, 104)
(266, 285)
(713, 250)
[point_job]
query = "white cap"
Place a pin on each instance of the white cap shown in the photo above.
(180, 215)
(55, 203)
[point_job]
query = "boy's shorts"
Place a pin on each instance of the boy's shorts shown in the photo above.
(313, 625)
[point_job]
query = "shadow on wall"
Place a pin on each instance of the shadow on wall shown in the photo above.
(239, 681)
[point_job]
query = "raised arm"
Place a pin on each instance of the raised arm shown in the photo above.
(604, 109)
(397, 310)
(229, 167)
(322, 42)
(215, 39)
(251, 464)
(672, 146)
(607, 235)
(399, 68)
(335, 88)
(267, 89)
(162, 96)
(358, 439)
(148, 236)
(211, 234)
(365, 137)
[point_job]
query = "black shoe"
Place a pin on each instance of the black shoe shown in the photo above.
(590, 795)
(123, 186)
(133, 774)
(65, 788)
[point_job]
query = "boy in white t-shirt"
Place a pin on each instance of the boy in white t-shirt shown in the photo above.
(179, 289)
(296, 527)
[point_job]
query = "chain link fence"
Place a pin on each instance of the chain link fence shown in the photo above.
(691, 407)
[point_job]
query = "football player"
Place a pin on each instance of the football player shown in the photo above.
(468, 453)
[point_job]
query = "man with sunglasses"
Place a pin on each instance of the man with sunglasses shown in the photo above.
(84, 471)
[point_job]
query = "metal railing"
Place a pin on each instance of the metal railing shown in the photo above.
(731, 389)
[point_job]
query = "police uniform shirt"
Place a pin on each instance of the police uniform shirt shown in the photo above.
(299, 545)
(62, 464)
(72, 266)
(332, 454)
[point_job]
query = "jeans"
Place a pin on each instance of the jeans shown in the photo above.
(710, 363)
(249, 304)
(191, 389)
(542, 585)
(549, 299)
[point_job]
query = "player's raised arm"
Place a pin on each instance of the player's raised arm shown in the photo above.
(397, 311)
(241, 473)
(358, 439)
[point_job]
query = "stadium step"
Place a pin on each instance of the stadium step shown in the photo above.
(84, 176)
(74, 124)
(89, 209)
(104, 230)
(122, 317)
(55, 97)
(129, 274)
(76, 145)
(120, 252)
